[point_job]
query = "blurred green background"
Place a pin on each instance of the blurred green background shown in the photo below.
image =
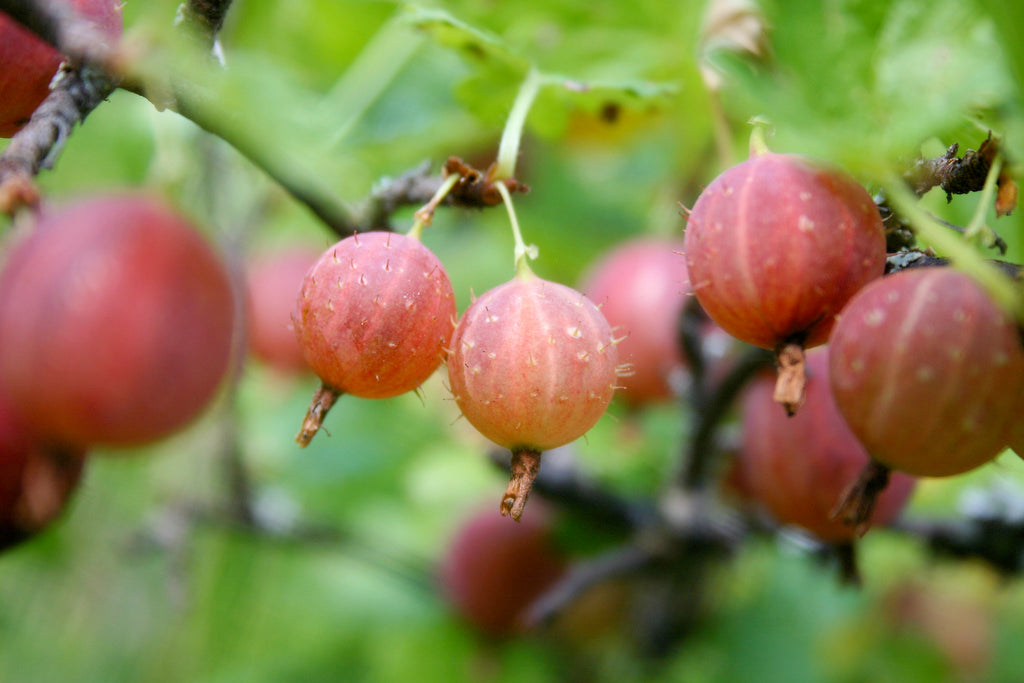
(146, 578)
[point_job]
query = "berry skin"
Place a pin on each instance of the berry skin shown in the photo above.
(273, 284)
(798, 467)
(118, 322)
(493, 571)
(926, 369)
(28, 64)
(641, 287)
(775, 247)
(532, 366)
(374, 318)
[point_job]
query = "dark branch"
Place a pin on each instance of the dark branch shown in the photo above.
(998, 542)
(701, 449)
(623, 561)
(413, 188)
(691, 324)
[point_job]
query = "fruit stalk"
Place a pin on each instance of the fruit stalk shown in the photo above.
(858, 500)
(322, 401)
(373, 317)
(425, 215)
(523, 251)
(791, 384)
(524, 469)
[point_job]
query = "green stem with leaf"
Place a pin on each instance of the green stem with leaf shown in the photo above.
(961, 253)
(523, 251)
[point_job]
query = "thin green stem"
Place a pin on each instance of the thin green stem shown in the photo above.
(961, 254)
(759, 136)
(523, 251)
(977, 225)
(425, 215)
(508, 150)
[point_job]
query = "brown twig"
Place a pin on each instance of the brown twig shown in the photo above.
(701, 450)
(412, 188)
(955, 175)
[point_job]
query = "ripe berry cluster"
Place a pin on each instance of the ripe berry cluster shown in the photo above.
(920, 371)
(531, 363)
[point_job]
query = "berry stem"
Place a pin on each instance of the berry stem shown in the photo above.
(425, 215)
(758, 136)
(858, 501)
(523, 251)
(525, 466)
(511, 136)
(323, 399)
(790, 360)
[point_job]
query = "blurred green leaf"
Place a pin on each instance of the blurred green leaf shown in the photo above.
(865, 83)
(474, 44)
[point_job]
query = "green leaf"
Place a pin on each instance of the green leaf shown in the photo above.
(475, 44)
(499, 69)
(864, 83)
